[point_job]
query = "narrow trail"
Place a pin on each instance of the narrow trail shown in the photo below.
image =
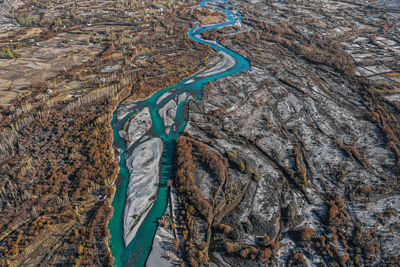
(191, 89)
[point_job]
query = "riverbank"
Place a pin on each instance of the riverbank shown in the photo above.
(169, 118)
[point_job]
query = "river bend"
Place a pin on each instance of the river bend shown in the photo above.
(145, 133)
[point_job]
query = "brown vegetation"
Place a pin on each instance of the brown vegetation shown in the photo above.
(56, 152)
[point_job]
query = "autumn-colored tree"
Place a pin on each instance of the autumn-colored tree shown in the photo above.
(276, 245)
(244, 253)
(80, 249)
(176, 244)
(265, 254)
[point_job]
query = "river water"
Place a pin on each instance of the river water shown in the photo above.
(138, 250)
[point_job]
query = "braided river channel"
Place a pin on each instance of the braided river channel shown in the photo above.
(137, 250)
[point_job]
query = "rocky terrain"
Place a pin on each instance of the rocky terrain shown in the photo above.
(295, 162)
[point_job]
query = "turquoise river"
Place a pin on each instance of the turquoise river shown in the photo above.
(138, 250)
